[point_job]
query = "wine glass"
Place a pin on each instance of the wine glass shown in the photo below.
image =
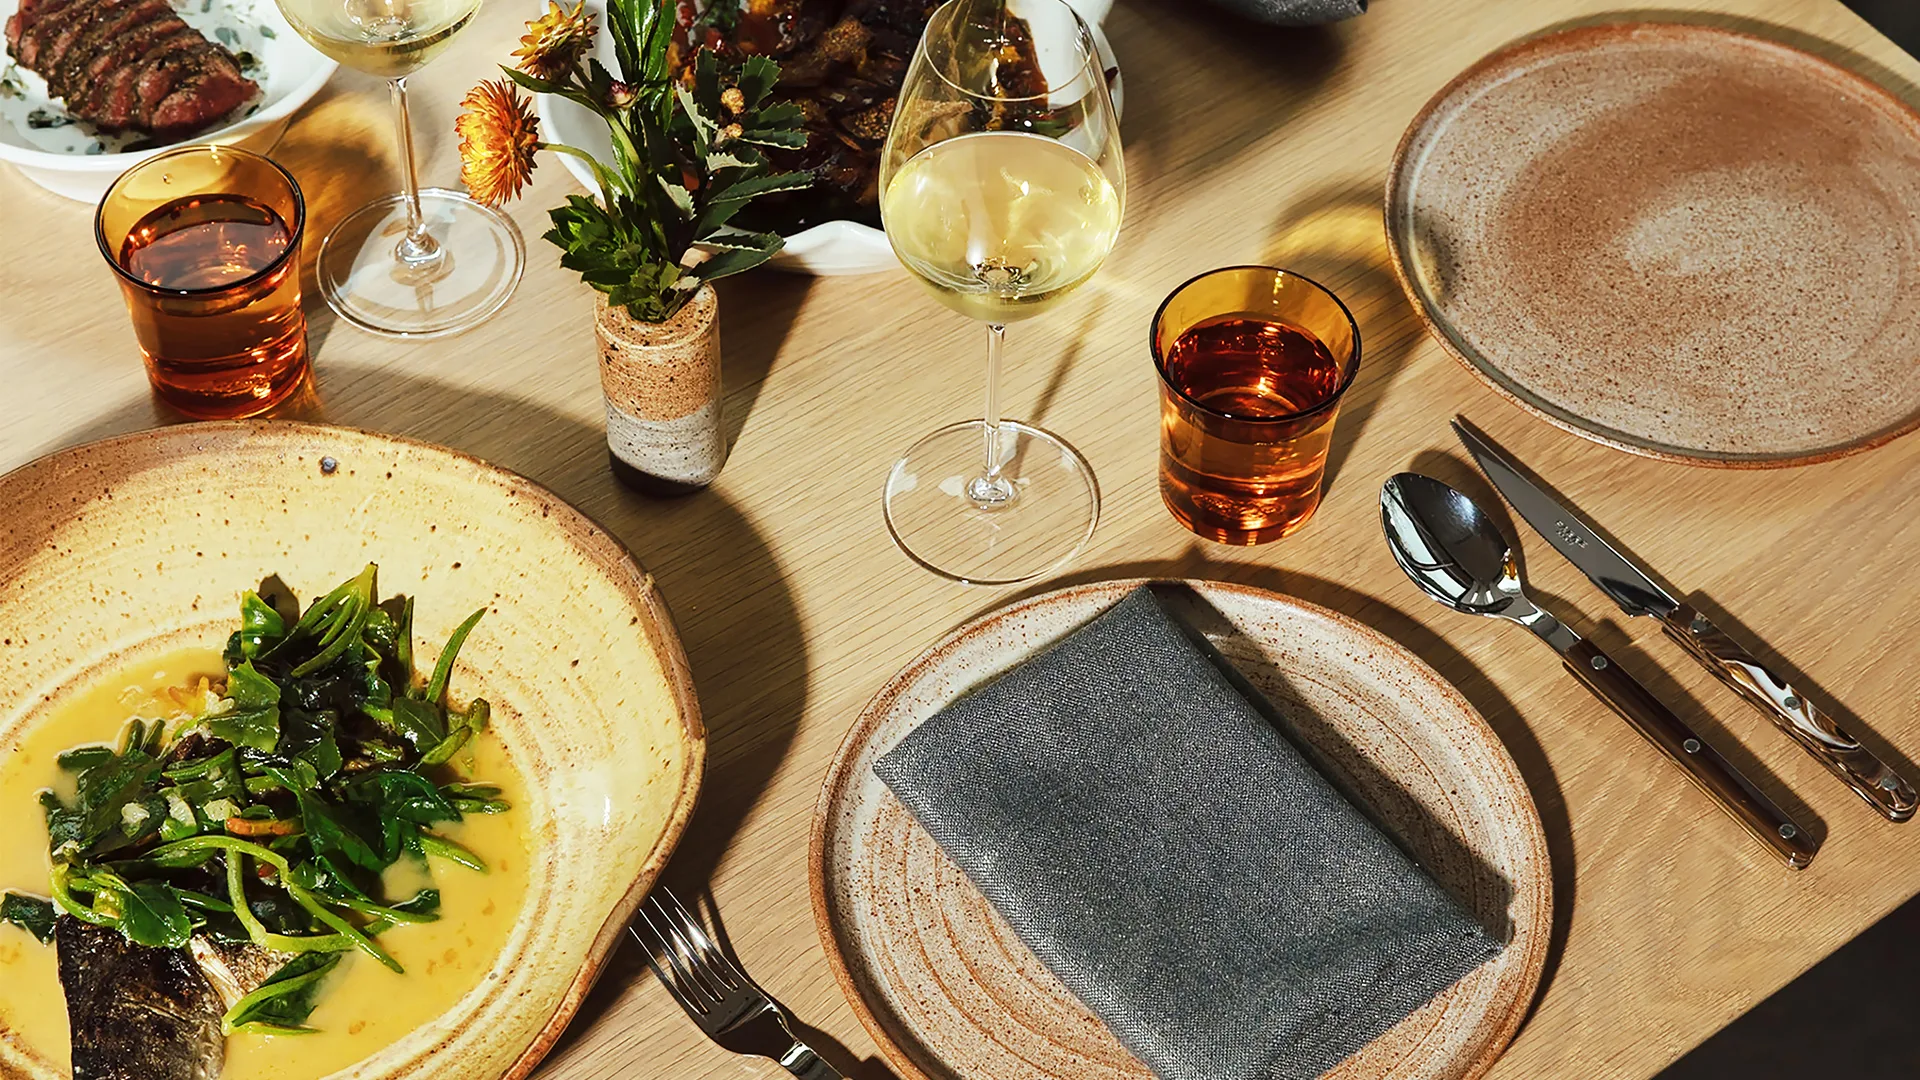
(1001, 189)
(420, 263)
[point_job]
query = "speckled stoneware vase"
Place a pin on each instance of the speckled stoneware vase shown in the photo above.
(663, 391)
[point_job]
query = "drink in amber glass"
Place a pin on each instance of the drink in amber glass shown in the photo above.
(206, 243)
(1253, 362)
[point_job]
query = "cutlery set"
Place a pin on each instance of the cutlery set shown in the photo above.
(1458, 556)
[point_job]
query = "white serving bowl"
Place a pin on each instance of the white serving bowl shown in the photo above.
(73, 161)
(827, 249)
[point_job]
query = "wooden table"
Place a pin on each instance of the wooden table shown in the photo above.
(1244, 146)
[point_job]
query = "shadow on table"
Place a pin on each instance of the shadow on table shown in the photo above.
(1799, 39)
(1178, 129)
(1535, 770)
(1333, 236)
(730, 600)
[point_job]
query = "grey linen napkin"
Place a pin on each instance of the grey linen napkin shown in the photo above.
(1296, 12)
(1175, 861)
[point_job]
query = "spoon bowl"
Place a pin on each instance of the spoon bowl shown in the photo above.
(1449, 546)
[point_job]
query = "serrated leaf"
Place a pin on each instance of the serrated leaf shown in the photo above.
(681, 197)
(755, 186)
(785, 138)
(728, 238)
(757, 76)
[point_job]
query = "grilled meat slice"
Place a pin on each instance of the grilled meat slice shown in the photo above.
(128, 65)
(136, 1013)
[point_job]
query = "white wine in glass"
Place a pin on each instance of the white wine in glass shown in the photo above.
(420, 263)
(1001, 224)
(1002, 186)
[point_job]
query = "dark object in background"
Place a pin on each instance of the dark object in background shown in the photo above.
(128, 65)
(1851, 1015)
(136, 1013)
(1296, 12)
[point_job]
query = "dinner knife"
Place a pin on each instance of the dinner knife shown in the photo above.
(1732, 663)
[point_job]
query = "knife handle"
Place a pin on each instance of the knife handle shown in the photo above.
(1712, 773)
(1856, 766)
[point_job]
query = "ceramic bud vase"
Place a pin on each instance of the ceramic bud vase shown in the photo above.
(663, 391)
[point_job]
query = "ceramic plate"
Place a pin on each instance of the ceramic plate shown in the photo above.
(66, 156)
(949, 993)
(137, 545)
(1677, 240)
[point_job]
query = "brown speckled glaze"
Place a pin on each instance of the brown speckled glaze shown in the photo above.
(121, 550)
(1678, 240)
(660, 371)
(949, 992)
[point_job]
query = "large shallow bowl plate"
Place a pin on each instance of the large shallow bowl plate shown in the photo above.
(829, 249)
(949, 993)
(121, 550)
(72, 160)
(1677, 240)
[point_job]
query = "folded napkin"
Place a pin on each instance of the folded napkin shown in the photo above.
(1175, 861)
(1296, 12)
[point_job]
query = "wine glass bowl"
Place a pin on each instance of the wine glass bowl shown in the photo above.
(418, 263)
(1002, 189)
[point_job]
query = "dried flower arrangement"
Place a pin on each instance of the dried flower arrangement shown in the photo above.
(687, 153)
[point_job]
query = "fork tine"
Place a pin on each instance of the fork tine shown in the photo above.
(717, 960)
(693, 996)
(689, 957)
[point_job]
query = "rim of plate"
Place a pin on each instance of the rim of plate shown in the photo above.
(1532, 962)
(599, 541)
(1566, 39)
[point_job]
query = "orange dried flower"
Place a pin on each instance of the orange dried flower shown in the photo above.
(498, 137)
(555, 42)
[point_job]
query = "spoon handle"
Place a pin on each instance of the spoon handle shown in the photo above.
(1712, 773)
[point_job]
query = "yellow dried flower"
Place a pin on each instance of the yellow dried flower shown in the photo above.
(555, 42)
(498, 137)
(733, 99)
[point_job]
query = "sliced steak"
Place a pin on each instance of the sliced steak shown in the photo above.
(201, 98)
(71, 75)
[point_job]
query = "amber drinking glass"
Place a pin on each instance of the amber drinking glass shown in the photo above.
(206, 243)
(1253, 362)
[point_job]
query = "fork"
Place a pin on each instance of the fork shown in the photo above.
(728, 1006)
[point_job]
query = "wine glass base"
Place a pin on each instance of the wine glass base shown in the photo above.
(1050, 515)
(478, 265)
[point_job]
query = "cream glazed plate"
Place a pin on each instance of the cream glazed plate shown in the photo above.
(121, 551)
(949, 992)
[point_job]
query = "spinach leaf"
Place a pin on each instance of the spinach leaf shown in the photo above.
(330, 829)
(419, 722)
(402, 801)
(465, 726)
(309, 738)
(443, 667)
(82, 758)
(281, 1005)
(30, 913)
(251, 690)
(150, 912)
(257, 728)
(92, 824)
(261, 627)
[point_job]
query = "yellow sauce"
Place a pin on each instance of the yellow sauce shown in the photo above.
(363, 1007)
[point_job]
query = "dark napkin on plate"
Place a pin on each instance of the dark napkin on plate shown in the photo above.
(1175, 861)
(1296, 12)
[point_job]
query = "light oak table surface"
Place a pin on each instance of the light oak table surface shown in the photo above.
(1243, 145)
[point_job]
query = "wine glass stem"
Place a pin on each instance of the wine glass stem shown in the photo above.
(417, 248)
(990, 490)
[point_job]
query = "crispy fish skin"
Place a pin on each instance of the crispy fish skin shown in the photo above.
(136, 1013)
(235, 969)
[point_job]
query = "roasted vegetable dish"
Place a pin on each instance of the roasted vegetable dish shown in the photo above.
(842, 62)
(205, 880)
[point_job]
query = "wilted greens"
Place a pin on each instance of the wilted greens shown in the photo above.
(270, 818)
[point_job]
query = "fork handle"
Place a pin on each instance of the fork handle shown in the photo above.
(802, 1062)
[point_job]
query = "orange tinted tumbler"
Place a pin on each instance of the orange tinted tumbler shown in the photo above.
(1253, 362)
(206, 243)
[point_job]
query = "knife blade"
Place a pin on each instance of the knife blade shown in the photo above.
(1633, 588)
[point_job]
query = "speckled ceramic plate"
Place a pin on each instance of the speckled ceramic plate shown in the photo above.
(1676, 240)
(122, 550)
(947, 990)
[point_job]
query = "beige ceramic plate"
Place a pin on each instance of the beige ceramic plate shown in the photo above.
(949, 992)
(124, 549)
(1677, 240)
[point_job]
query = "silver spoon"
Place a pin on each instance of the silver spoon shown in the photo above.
(1458, 556)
